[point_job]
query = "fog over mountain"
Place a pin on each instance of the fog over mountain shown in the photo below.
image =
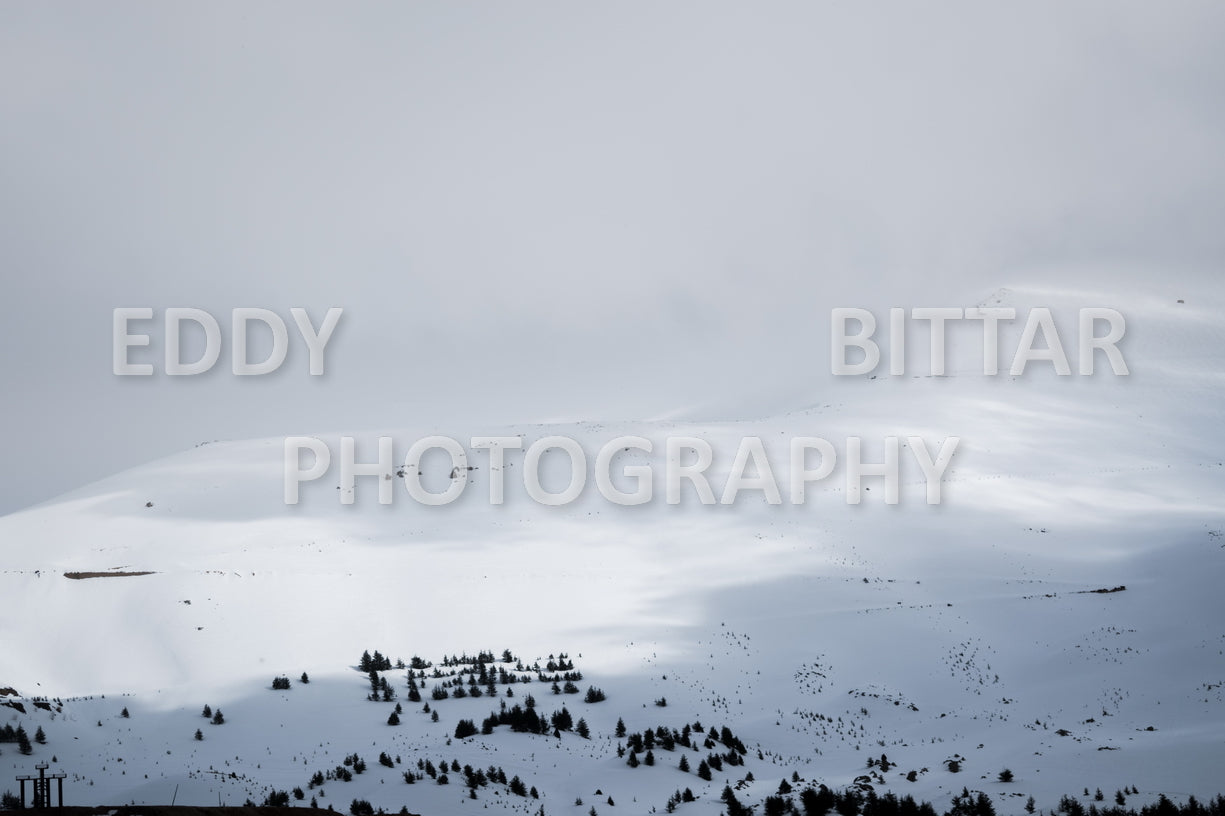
(537, 211)
(628, 228)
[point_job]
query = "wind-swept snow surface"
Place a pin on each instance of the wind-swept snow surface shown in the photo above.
(822, 635)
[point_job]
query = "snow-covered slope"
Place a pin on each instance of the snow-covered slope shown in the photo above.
(821, 634)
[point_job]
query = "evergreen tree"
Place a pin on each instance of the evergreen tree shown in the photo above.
(218, 718)
(124, 713)
(620, 728)
(562, 720)
(207, 712)
(733, 805)
(394, 719)
(41, 737)
(277, 798)
(305, 678)
(199, 735)
(582, 729)
(23, 741)
(970, 804)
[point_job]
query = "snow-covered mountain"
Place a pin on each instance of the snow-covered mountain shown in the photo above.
(821, 634)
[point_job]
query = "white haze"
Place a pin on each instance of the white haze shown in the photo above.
(556, 211)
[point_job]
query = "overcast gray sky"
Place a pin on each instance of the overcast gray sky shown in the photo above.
(559, 210)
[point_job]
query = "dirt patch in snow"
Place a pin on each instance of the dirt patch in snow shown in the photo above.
(78, 576)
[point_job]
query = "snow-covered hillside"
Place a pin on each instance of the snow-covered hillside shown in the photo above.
(822, 635)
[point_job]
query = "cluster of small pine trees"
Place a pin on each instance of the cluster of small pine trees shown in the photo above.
(353, 764)
(473, 778)
(481, 657)
(525, 720)
(560, 664)
(677, 798)
(669, 738)
(969, 803)
(469, 681)
(557, 669)
(380, 689)
(569, 678)
(277, 798)
(19, 736)
(376, 662)
(820, 801)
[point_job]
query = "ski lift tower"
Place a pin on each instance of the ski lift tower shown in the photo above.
(42, 787)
